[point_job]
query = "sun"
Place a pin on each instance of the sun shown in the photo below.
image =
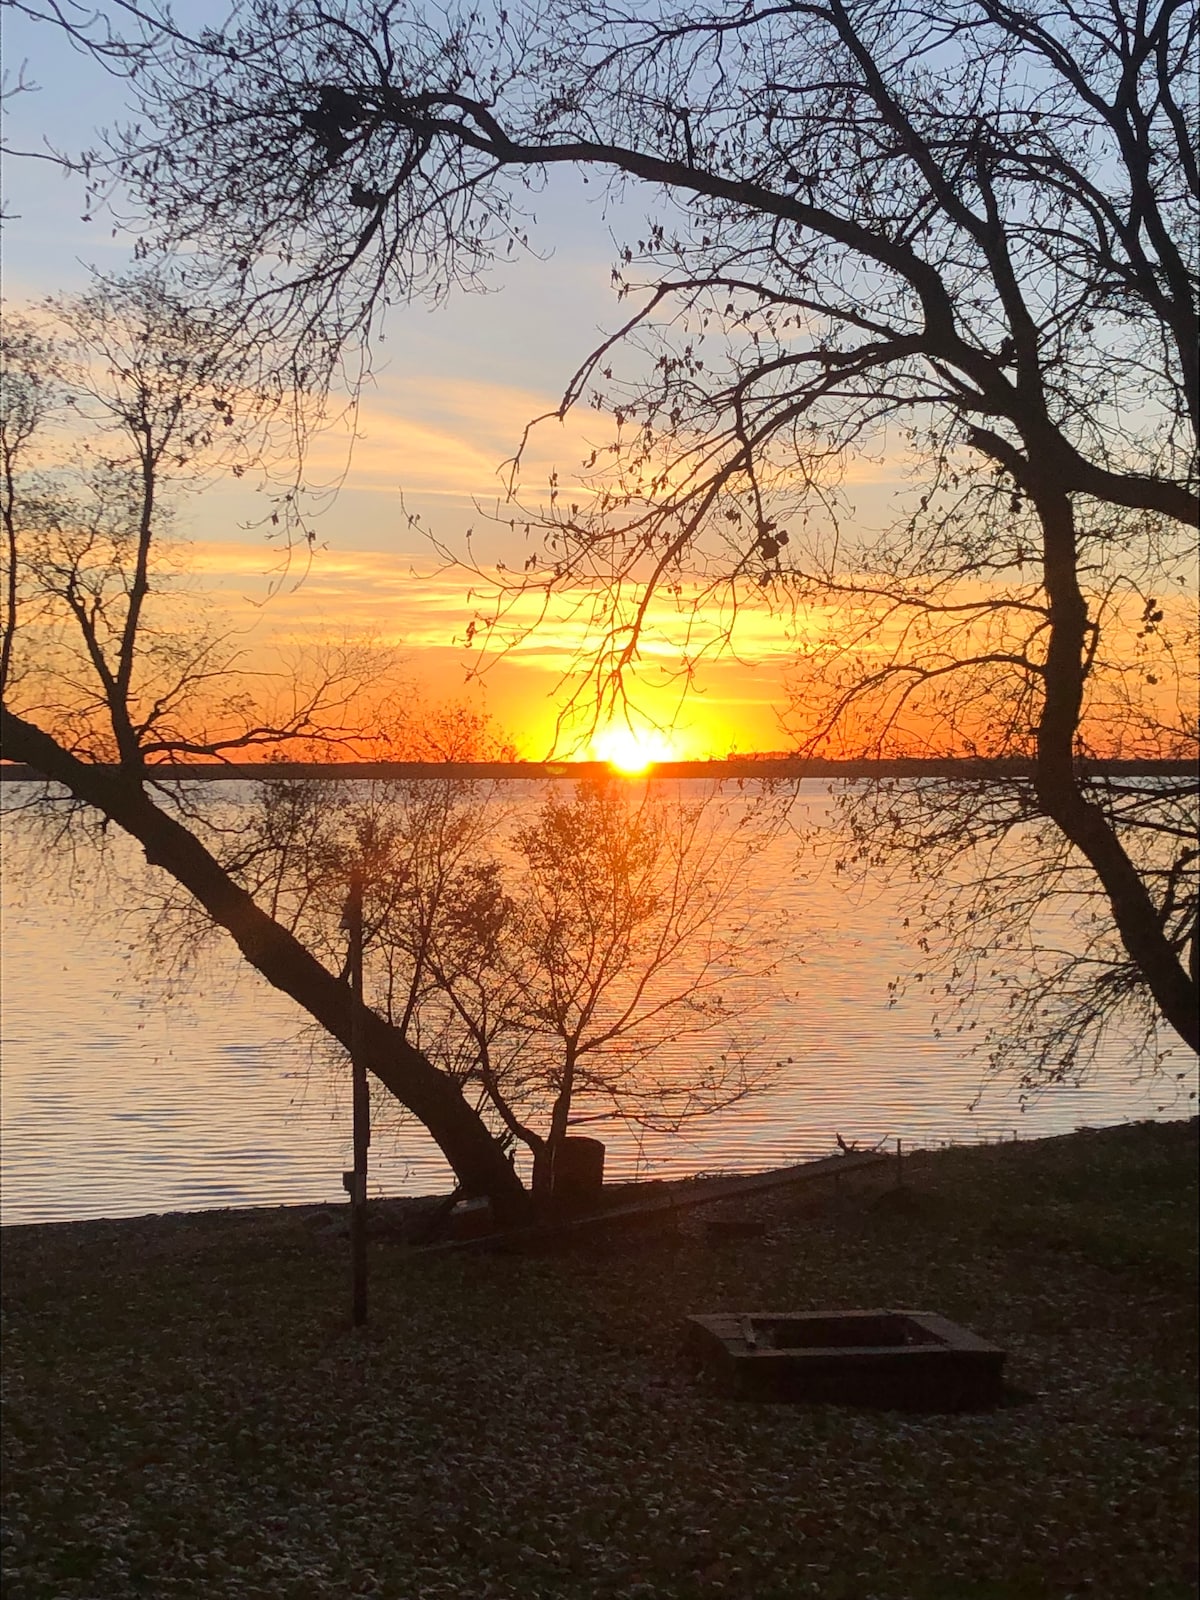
(631, 750)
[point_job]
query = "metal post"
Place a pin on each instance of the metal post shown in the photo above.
(357, 1186)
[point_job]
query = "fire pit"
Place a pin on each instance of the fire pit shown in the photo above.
(902, 1359)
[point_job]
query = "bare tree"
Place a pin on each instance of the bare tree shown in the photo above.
(963, 230)
(604, 955)
(104, 685)
(627, 942)
(135, 396)
(516, 994)
(1017, 952)
(1012, 918)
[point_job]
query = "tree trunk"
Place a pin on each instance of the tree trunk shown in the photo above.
(545, 1151)
(435, 1099)
(561, 1112)
(1057, 786)
(542, 1176)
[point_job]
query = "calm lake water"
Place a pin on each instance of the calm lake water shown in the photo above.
(123, 1095)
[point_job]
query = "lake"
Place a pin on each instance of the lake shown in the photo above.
(126, 1093)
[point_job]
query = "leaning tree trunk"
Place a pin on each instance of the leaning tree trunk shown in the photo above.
(1057, 786)
(434, 1099)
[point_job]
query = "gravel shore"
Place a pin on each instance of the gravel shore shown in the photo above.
(187, 1411)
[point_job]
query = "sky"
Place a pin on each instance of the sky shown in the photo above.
(442, 415)
(451, 391)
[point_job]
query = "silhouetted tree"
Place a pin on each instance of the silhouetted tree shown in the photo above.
(612, 960)
(610, 925)
(604, 951)
(103, 684)
(963, 230)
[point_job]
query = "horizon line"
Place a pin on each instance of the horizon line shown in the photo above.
(764, 765)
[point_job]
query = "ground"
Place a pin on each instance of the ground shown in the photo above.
(187, 1412)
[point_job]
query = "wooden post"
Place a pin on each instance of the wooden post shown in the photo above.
(357, 1186)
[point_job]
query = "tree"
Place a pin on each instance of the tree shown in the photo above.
(624, 930)
(966, 229)
(103, 684)
(569, 958)
(1018, 953)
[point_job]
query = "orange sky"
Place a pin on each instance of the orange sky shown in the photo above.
(707, 684)
(403, 604)
(439, 447)
(452, 392)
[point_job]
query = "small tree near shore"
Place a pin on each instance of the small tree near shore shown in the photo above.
(598, 961)
(614, 963)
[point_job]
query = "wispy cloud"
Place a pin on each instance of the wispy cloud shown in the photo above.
(406, 602)
(455, 438)
(429, 604)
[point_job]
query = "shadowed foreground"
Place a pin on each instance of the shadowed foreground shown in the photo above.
(186, 1412)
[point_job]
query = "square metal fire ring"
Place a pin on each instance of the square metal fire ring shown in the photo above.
(910, 1360)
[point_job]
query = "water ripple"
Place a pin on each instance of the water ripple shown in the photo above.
(118, 1101)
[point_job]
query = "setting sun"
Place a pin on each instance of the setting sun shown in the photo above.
(632, 750)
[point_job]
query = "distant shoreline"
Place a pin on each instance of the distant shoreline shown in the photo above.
(778, 768)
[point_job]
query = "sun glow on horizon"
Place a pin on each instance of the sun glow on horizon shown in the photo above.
(632, 750)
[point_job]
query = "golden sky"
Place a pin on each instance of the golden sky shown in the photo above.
(402, 604)
(452, 391)
(440, 447)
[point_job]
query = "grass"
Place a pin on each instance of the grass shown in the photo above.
(187, 1412)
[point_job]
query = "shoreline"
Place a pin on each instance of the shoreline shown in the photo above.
(769, 767)
(658, 1192)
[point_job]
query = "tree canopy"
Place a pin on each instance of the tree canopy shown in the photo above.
(959, 236)
(963, 232)
(968, 215)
